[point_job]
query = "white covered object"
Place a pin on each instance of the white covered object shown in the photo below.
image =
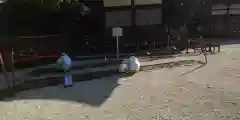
(64, 62)
(123, 66)
(68, 80)
(133, 64)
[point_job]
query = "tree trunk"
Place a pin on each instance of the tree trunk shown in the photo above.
(4, 71)
(13, 70)
(7, 58)
(8, 65)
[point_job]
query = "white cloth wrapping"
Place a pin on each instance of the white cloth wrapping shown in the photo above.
(64, 62)
(123, 66)
(130, 65)
(133, 64)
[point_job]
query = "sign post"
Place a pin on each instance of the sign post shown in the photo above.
(117, 32)
(117, 46)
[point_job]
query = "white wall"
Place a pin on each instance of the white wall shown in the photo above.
(149, 16)
(147, 2)
(118, 18)
(234, 9)
(220, 9)
(143, 17)
(234, 6)
(123, 18)
(219, 6)
(112, 3)
(219, 12)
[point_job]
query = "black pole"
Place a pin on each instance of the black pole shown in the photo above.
(133, 15)
(133, 23)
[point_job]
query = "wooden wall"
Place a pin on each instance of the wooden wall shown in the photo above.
(222, 18)
(146, 18)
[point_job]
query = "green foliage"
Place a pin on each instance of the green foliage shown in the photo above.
(64, 1)
(179, 11)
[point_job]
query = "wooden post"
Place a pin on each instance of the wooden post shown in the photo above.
(154, 45)
(4, 70)
(13, 70)
(7, 60)
(133, 23)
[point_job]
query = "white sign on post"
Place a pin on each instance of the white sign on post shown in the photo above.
(117, 32)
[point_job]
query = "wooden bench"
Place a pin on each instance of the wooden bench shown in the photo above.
(206, 46)
(213, 45)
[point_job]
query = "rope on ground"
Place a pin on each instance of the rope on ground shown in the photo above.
(203, 50)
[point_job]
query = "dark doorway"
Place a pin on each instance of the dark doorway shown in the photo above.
(90, 30)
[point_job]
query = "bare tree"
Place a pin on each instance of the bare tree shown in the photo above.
(4, 71)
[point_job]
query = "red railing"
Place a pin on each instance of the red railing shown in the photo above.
(35, 58)
(31, 55)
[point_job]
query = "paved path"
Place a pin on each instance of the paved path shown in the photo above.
(209, 93)
(24, 75)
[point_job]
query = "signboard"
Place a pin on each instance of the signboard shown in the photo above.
(116, 32)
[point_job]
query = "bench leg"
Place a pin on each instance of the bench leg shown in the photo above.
(203, 49)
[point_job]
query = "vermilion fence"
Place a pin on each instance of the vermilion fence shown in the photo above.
(30, 48)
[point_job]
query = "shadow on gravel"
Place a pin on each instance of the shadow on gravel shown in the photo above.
(94, 89)
(93, 93)
(42, 71)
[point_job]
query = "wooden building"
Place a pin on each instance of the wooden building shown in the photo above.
(141, 21)
(222, 18)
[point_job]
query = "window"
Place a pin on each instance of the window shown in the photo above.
(219, 9)
(234, 9)
(118, 18)
(148, 16)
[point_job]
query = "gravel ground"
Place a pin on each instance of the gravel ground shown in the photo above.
(208, 93)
